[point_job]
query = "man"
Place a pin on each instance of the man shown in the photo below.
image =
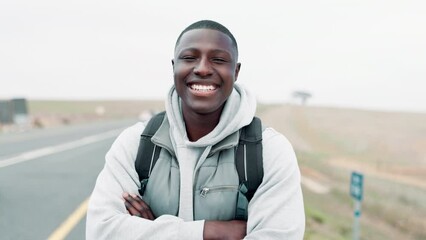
(205, 110)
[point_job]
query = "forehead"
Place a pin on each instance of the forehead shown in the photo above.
(205, 39)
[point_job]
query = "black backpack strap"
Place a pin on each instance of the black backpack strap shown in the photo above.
(249, 160)
(148, 152)
(249, 164)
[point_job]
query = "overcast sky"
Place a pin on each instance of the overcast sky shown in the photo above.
(348, 53)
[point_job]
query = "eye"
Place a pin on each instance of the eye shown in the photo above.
(219, 60)
(188, 58)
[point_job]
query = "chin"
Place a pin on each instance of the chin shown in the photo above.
(204, 108)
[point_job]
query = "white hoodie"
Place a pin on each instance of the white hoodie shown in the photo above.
(275, 211)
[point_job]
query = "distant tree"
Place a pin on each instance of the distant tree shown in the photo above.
(302, 95)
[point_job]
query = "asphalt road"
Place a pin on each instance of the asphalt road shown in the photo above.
(47, 175)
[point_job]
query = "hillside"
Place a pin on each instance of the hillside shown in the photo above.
(388, 148)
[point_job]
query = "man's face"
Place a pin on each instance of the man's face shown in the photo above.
(205, 68)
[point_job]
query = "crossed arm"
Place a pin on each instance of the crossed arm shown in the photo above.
(275, 211)
(212, 229)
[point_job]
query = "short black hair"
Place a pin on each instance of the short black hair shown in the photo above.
(209, 24)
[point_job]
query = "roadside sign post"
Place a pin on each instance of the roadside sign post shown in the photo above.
(356, 190)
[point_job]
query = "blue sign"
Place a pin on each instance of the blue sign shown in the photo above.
(357, 185)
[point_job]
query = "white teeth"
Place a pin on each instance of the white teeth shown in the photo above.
(204, 88)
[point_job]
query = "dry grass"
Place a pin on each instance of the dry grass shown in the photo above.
(51, 113)
(389, 148)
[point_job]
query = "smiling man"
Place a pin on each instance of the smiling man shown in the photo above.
(195, 190)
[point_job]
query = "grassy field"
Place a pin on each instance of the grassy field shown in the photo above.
(51, 113)
(389, 148)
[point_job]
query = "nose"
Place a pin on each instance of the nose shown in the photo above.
(203, 67)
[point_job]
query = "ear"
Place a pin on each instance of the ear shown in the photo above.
(237, 71)
(173, 63)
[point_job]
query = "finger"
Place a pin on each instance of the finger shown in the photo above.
(145, 210)
(133, 205)
(140, 201)
(147, 214)
(131, 210)
(138, 207)
(150, 215)
(125, 195)
(137, 202)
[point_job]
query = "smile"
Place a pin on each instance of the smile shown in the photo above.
(202, 88)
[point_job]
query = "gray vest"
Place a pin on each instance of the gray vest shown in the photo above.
(215, 181)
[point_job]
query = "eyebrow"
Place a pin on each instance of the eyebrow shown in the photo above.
(214, 51)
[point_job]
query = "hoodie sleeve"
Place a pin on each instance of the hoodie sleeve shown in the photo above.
(107, 217)
(276, 211)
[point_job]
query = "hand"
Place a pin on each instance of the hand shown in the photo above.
(137, 207)
(234, 229)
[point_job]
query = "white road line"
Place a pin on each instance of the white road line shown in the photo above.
(30, 155)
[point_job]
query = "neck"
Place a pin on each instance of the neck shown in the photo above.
(199, 125)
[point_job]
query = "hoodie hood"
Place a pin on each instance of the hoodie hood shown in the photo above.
(238, 112)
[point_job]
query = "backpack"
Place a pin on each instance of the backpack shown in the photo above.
(248, 160)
